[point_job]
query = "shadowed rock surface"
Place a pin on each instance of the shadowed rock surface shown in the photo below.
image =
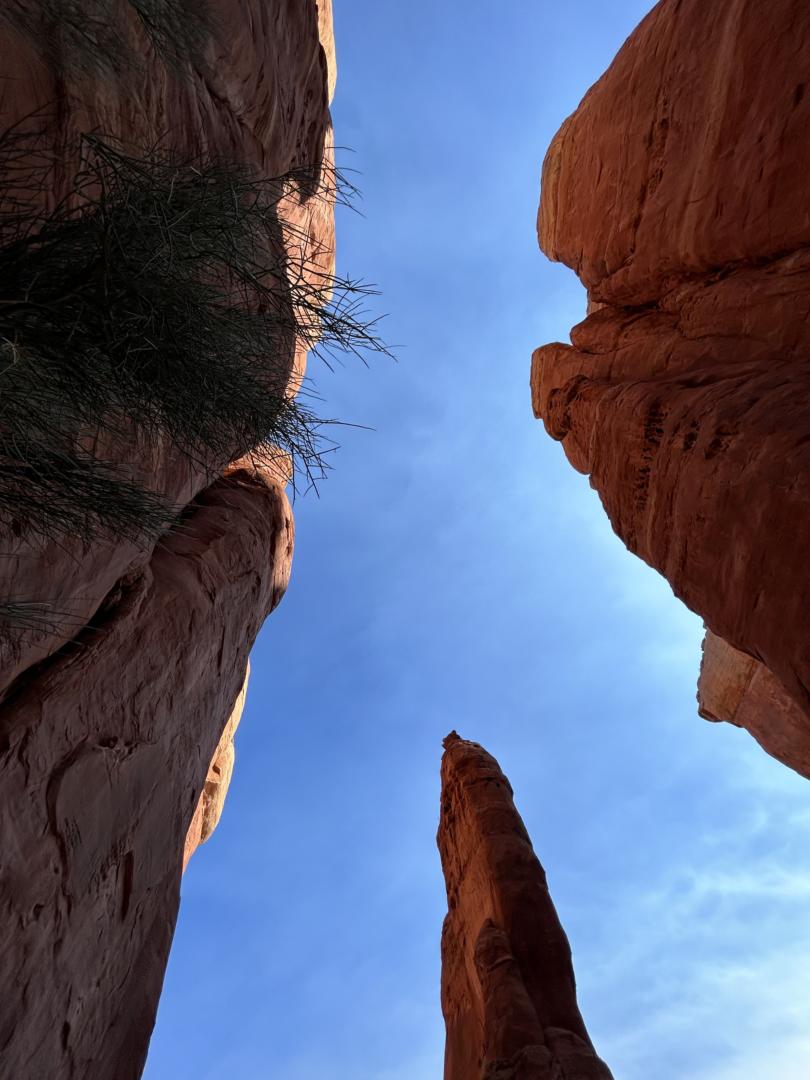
(105, 754)
(508, 991)
(115, 738)
(677, 191)
(260, 100)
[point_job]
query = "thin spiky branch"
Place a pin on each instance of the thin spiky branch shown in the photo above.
(163, 300)
(99, 36)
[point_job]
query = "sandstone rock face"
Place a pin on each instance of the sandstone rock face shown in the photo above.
(508, 991)
(327, 36)
(105, 751)
(738, 689)
(114, 723)
(677, 192)
(217, 781)
(261, 99)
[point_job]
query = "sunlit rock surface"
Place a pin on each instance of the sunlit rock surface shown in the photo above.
(217, 781)
(508, 993)
(738, 689)
(678, 193)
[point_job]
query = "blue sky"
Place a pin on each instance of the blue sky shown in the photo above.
(457, 573)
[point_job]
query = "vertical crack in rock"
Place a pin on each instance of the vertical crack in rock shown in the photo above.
(508, 991)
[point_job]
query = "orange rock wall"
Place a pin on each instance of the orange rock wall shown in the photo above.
(738, 689)
(217, 780)
(110, 726)
(508, 991)
(677, 191)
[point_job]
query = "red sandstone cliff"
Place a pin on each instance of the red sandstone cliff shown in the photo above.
(678, 193)
(113, 725)
(262, 100)
(105, 753)
(508, 992)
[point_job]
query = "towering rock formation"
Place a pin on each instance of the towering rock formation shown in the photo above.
(508, 993)
(113, 723)
(105, 754)
(678, 193)
(260, 98)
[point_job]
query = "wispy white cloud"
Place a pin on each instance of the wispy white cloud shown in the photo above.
(707, 971)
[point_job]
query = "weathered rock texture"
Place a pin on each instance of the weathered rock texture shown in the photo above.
(262, 100)
(678, 193)
(217, 781)
(105, 754)
(736, 688)
(111, 725)
(508, 992)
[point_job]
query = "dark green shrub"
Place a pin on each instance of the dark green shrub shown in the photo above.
(160, 300)
(165, 297)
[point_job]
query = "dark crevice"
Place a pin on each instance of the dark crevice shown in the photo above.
(127, 879)
(120, 599)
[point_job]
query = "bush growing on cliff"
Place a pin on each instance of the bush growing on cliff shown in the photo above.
(97, 35)
(160, 301)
